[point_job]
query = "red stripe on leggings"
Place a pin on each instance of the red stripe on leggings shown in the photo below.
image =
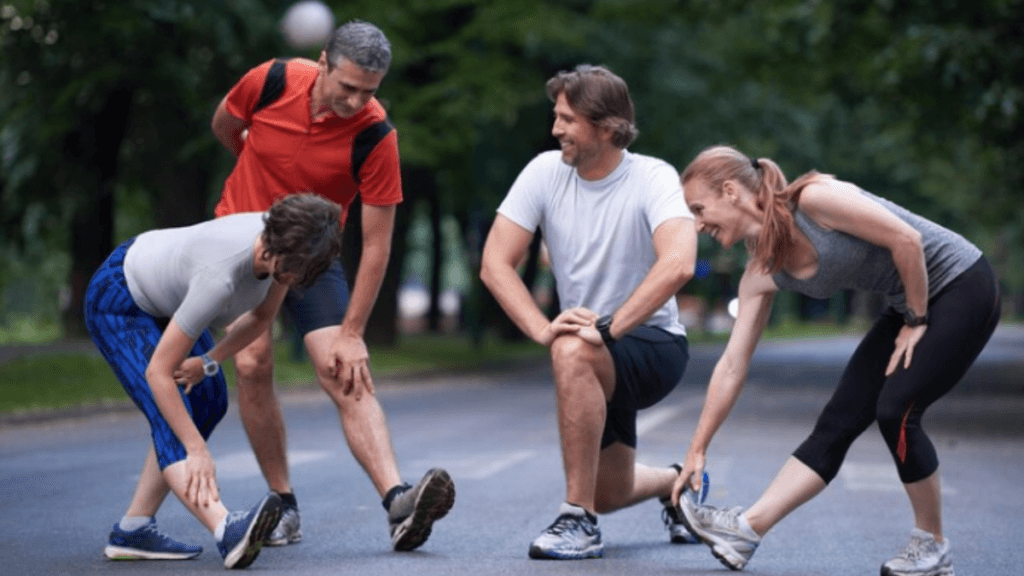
(901, 446)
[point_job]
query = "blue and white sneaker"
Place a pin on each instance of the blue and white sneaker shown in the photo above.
(677, 531)
(147, 543)
(572, 536)
(245, 531)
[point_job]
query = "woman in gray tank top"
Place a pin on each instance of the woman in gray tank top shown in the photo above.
(817, 236)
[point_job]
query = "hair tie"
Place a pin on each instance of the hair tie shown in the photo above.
(755, 163)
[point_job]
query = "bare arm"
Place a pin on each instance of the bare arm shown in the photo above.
(201, 487)
(229, 130)
(675, 246)
(840, 206)
(350, 354)
(756, 294)
(506, 246)
(242, 333)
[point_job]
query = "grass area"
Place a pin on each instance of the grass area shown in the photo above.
(48, 381)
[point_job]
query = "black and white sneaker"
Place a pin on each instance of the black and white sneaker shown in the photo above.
(412, 513)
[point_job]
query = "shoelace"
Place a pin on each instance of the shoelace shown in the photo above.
(235, 517)
(566, 523)
(916, 548)
(669, 517)
(722, 518)
(151, 530)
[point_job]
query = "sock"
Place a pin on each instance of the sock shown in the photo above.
(744, 527)
(218, 534)
(395, 491)
(132, 523)
(591, 517)
(289, 499)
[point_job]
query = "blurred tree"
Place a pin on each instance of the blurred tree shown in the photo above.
(98, 94)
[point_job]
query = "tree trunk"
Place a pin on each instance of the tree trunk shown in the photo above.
(92, 160)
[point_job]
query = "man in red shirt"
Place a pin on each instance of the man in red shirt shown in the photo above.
(324, 131)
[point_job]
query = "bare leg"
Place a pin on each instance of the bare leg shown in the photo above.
(211, 515)
(794, 485)
(584, 381)
(926, 500)
(151, 489)
(622, 483)
(362, 421)
(261, 412)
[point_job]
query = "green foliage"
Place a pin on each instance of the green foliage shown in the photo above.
(918, 100)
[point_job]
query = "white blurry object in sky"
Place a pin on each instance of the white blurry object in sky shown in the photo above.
(307, 24)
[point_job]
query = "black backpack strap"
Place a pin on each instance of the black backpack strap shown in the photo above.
(273, 86)
(365, 142)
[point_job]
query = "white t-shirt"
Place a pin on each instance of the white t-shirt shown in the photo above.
(599, 234)
(200, 275)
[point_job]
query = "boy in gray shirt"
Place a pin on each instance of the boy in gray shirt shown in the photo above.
(148, 309)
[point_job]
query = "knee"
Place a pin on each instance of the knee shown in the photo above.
(891, 418)
(254, 362)
(571, 355)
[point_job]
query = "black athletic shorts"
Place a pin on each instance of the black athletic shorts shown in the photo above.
(322, 303)
(649, 362)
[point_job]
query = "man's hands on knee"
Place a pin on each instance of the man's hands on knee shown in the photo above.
(578, 321)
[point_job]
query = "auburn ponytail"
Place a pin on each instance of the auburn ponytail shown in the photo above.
(777, 198)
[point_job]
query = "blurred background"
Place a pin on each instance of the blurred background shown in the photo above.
(105, 109)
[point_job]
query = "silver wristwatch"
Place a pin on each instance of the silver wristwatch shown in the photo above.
(210, 366)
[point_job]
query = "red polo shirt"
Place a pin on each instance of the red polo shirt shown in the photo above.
(287, 151)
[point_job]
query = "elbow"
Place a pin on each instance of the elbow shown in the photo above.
(682, 272)
(487, 273)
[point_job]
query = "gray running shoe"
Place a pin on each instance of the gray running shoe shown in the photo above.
(678, 534)
(288, 529)
(572, 536)
(413, 512)
(922, 556)
(719, 529)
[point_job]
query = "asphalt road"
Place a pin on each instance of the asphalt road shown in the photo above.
(63, 483)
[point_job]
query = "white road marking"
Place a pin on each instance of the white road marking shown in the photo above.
(650, 419)
(864, 477)
(236, 465)
(479, 467)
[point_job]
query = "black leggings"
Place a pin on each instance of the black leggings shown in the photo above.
(963, 316)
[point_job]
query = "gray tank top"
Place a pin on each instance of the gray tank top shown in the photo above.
(848, 262)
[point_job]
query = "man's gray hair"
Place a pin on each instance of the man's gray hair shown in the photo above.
(362, 43)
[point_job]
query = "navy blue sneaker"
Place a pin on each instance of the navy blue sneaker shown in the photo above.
(678, 533)
(147, 543)
(245, 531)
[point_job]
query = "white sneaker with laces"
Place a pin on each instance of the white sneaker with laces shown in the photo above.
(922, 556)
(720, 529)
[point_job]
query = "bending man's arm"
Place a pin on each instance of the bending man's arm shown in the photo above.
(230, 131)
(201, 486)
(350, 354)
(243, 331)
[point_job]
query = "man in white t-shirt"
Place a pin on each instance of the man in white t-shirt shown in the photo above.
(622, 243)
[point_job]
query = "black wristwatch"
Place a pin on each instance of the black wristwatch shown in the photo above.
(913, 320)
(604, 325)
